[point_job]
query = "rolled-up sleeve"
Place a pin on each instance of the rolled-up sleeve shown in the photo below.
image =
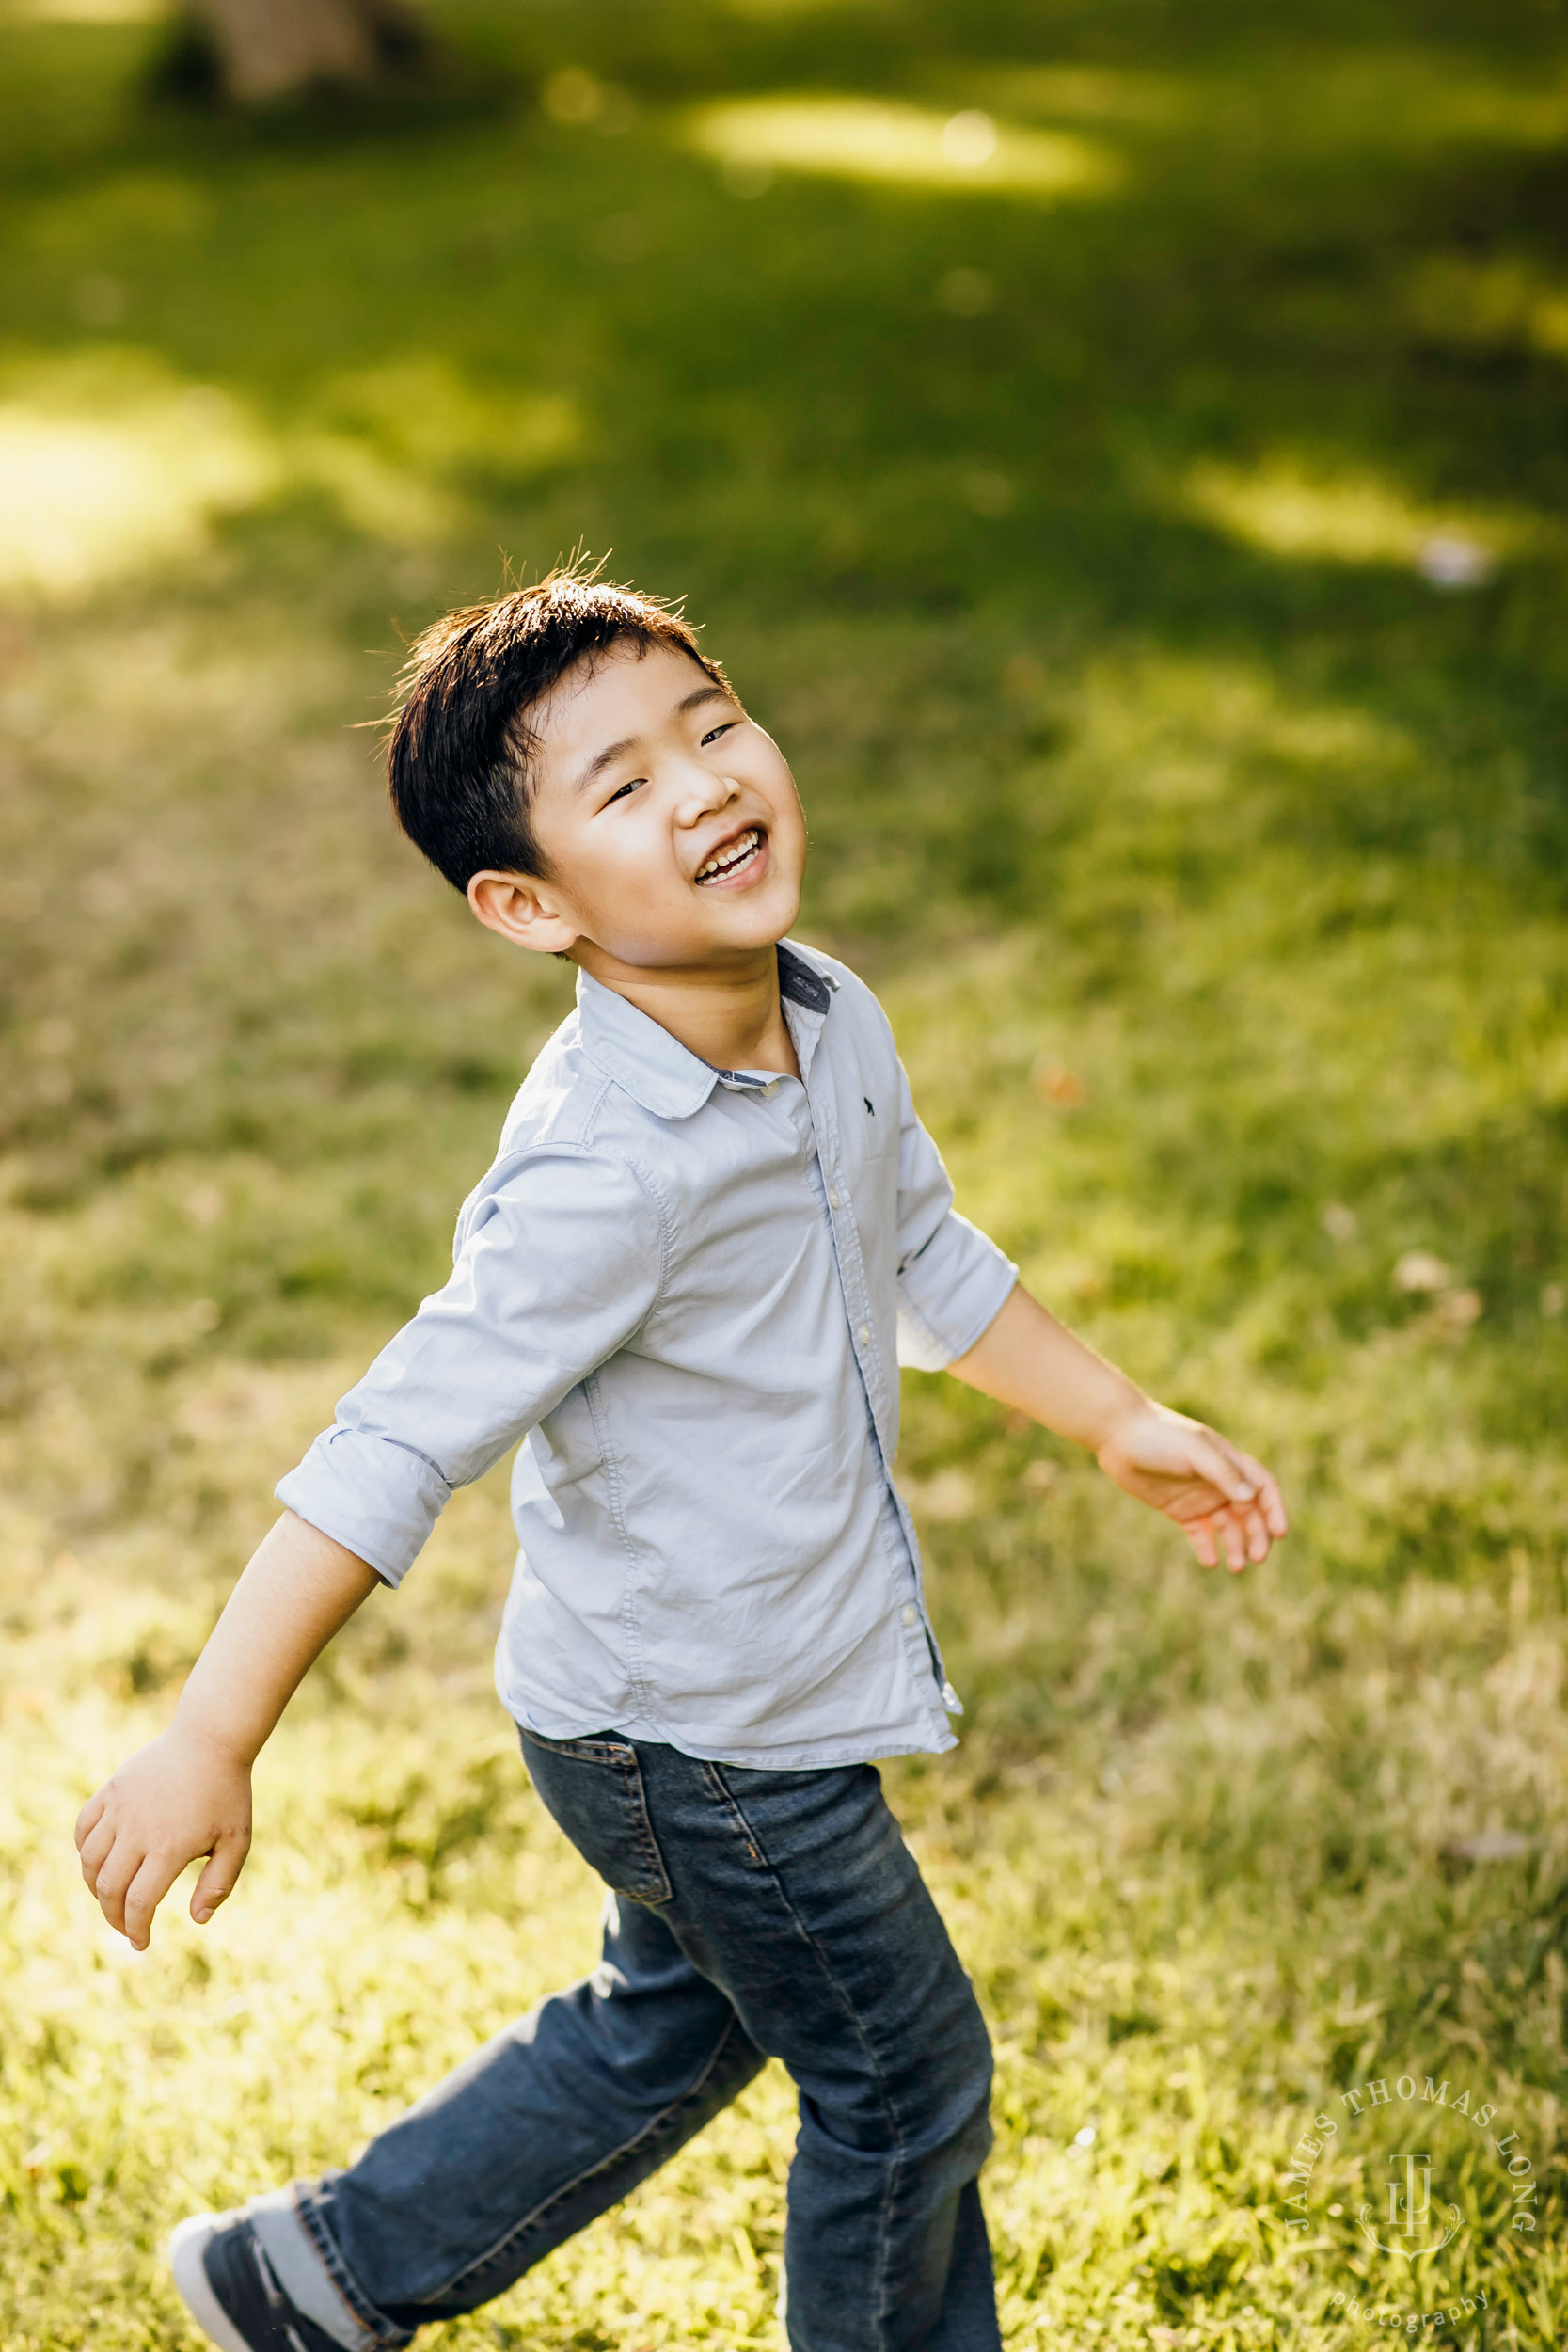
(559, 1260)
(953, 1281)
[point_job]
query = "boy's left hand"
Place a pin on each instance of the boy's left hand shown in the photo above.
(1224, 1501)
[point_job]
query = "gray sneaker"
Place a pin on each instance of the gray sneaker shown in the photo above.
(231, 2290)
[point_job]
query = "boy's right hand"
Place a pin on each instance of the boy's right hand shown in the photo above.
(182, 1796)
(189, 1792)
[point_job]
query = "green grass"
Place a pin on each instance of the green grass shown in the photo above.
(1062, 514)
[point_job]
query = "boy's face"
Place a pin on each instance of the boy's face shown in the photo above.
(669, 820)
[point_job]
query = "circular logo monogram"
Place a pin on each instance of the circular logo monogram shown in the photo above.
(1408, 2186)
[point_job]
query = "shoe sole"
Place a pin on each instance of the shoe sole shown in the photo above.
(187, 2246)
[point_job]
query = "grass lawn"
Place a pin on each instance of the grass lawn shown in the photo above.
(1121, 452)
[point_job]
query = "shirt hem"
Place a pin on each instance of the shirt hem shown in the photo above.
(812, 1759)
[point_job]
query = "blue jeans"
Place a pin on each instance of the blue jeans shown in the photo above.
(750, 1913)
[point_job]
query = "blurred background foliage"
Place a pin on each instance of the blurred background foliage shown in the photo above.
(1120, 451)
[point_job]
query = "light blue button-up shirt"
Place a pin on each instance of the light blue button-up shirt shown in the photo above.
(688, 1292)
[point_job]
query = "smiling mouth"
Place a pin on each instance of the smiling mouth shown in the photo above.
(733, 858)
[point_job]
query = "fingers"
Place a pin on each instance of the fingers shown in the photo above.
(141, 1899)
(1252, 1534)
(1227, 1503)
(1232, 1539)
(128, 1880)
(217, 1882)
(1258, 1494)
(114, 1880)
(95, 1850)
(1213, 1459)
(175, 1802)
(1256, 1517)
(1270, 1502)
(1239, 1539)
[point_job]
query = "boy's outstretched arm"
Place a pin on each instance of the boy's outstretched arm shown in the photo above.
(188, 1791)
(1221, 1499)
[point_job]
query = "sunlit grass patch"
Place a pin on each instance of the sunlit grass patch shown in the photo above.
(90, 11)
(1303, 98)
(1289, 506)
(1505, 301)
(108, 463)
(882, 139)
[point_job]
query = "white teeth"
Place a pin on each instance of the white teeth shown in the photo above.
(723, 861)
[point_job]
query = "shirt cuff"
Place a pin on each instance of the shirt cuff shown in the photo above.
(375, 1498)
(950, 1295)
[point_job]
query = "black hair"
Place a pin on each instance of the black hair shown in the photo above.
(457, 761)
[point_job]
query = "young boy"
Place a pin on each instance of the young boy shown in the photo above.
(713, 1230)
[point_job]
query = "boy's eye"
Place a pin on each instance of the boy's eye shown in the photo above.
(621, 792)
(714, 733)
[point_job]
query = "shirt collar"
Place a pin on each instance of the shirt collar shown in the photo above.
(656, 1068)
(801, 983)
(806, 993)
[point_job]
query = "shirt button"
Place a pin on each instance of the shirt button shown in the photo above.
(832, 1201)
(911, 1614)
(865, 1334)
(769, 1090)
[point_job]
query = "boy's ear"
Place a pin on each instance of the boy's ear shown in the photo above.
(524, 909)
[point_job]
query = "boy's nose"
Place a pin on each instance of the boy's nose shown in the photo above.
(704, 794)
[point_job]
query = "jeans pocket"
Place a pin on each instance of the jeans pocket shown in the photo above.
(592, 1790)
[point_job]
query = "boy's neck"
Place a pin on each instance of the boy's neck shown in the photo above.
(730, 1015)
